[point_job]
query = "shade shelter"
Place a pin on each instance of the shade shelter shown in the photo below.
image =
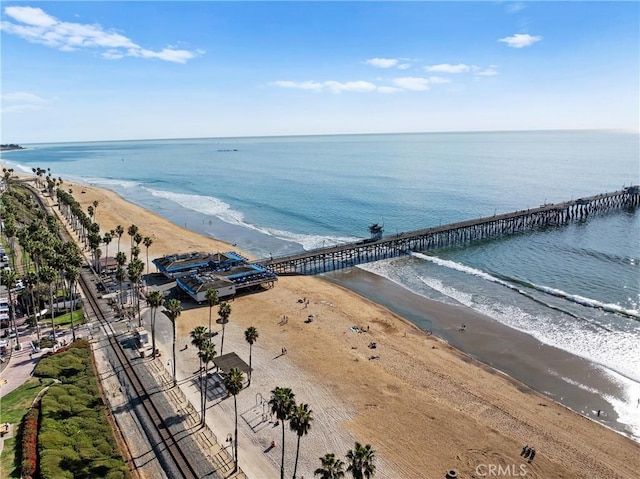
(228, 361)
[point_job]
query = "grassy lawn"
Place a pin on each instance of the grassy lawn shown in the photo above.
(12, 407)
(8, 466)
(15, 404)
(64, 320)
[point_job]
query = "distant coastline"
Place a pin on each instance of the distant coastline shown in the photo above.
(11, 146)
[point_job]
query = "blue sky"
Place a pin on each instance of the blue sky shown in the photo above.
(83, 71)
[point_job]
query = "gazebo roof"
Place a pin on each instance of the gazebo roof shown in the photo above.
(228, 361)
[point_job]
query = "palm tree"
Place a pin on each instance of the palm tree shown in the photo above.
(198, 337)
(121, 259)
(108, 237)
(155, 299)
(233, 383)
(147, 242)
(71, 275)
(95, 208)
(251, 335)
(119, 232)
(332, 467)
(121, 275)
(32, 281)
(173, 310)
(300, 422)
(224, 311)
(212, 300)
(134, 272)
(361, 459)
(48, 276)
(9, 278)
(282, 403)
(133, 229)
(206, 354)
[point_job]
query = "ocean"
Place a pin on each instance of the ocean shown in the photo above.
(575, 288)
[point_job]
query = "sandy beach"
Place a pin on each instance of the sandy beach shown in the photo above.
(423, 405)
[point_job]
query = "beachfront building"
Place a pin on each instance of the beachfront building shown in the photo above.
(228, 273)
(196, 286)
(174, 266)
(227, 281)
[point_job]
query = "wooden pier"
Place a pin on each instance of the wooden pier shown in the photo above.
(346, 255)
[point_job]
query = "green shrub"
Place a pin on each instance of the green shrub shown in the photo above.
(75, 437)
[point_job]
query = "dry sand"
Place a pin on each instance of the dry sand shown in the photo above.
(424, 406)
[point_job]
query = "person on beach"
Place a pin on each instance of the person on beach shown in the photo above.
(525, 451)
(532, 454)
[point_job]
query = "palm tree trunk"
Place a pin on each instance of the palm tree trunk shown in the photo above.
(203, 393)
(137, 301)
(222, 342)
(235, 466)
(282, 461)
(53, 324)
(37, 318)
(153, 332)
(73, 329)
(295, 466)
(12, 319)
(250, 349)
(121, 300)
(175, 381)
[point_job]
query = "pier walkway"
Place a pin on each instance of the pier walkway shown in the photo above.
(342, 256)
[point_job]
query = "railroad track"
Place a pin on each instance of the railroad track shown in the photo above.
(165, 444)
(168, 450)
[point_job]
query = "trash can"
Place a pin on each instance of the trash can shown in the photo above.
(451, 475)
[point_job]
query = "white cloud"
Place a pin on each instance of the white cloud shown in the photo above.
(388, 89)
(331, 85)
(448, 68)
(30, 16)
(434, 80)
(487, 72)
(306, 85)
(412, 83)
(382, 62)
(361, 86)
(515, 7)
(357, 86)
(20, 102)
(389, 63)
(520, 40)
(36, 26)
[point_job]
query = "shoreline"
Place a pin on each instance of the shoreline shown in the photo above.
(406, 355)
(569, 380)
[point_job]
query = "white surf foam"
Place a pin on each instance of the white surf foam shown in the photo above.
(616, 353)
(616, 350)
(212, 206)
(626, 407)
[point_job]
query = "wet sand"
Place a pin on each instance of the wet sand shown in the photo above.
(517, 354)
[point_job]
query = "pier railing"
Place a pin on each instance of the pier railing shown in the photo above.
(365, 251)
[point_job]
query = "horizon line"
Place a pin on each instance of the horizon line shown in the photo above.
(621, 130)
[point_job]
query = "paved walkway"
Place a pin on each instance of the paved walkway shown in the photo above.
(18, 369)
(251, 460)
